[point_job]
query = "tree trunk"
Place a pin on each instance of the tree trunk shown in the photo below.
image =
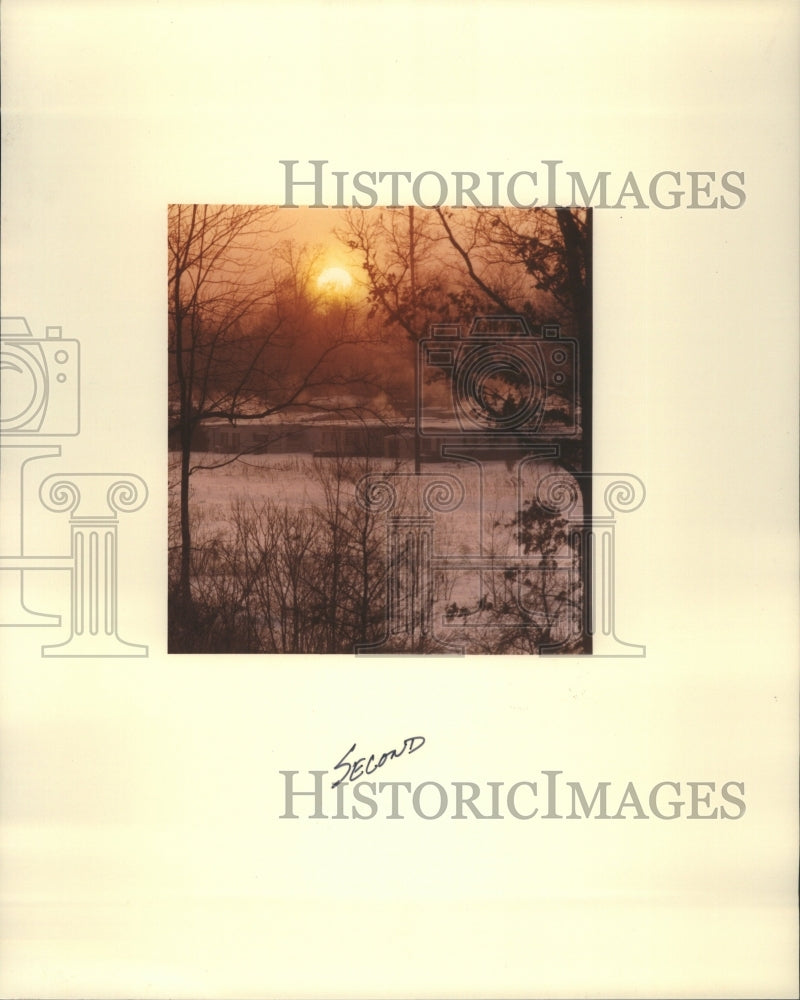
(578, 250)
(185, 583)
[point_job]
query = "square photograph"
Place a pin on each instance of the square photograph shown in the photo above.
(379, 430)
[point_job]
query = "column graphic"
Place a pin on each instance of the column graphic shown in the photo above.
(595, 541)
(94, 501)
(39, 402)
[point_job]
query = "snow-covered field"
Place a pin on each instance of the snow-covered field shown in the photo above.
(473, 506)
(296, 480)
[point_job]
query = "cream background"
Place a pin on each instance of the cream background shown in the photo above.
(141, 851)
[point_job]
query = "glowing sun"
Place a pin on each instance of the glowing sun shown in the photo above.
(335, 279)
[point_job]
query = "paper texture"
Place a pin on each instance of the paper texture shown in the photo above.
(143, 851)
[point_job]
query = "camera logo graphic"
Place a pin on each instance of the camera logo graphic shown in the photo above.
(39, 381)
(503, 378)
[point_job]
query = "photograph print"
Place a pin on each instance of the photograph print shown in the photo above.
(379, 430)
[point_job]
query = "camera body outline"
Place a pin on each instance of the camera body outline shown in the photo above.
(500, 354)
(39, 382)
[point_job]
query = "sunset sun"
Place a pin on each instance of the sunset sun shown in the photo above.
(335, 280)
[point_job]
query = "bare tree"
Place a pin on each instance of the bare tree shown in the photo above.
(211, 291)
(444, 265)
(439, 264)
(535, 263)
(531, 261)
(539, 263)
(273, 578)
(242, 342)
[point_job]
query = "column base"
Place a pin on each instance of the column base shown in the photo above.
(601, 645)
(95, 645)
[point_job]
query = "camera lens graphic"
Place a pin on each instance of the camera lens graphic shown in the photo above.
(24, 383)
(499, 387)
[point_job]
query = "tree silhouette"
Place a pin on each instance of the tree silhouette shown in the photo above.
(244, 341)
